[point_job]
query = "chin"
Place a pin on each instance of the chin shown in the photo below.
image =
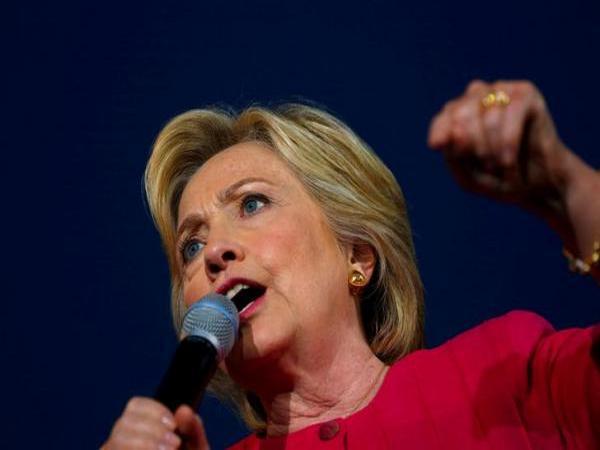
(257, 347)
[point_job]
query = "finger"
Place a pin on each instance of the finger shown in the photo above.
(134, 427)
(511, 136)
(191, 428)
(469, 175)
(492, 120)
(145, 422)
(477, 88)
(150, 409)
(439, 131)
(125, 440)
(468, 136)
(527, 104)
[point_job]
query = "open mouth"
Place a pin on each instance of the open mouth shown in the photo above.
(242, 295)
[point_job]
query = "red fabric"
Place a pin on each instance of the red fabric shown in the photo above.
(512, 382)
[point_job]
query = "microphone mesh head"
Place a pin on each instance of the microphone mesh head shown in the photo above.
(215, 318)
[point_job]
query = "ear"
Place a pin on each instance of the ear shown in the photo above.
(362, 257)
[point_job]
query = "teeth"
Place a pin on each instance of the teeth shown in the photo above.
(235, 290)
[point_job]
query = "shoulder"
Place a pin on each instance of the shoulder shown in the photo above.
(516, 331)
(497, 351)
(503, 346)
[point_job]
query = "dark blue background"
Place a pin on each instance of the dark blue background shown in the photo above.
(85, 322)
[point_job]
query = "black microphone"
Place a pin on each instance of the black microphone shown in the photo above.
(210, 327)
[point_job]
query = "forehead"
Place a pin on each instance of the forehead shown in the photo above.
(240, 159)
(244, 160)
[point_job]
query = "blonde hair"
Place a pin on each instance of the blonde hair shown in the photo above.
(356, 191)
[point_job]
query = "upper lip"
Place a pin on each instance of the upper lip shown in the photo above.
(231, 282)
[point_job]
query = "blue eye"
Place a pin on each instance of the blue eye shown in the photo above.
(190, 250)
(252, 204)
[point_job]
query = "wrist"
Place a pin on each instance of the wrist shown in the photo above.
(584, 266)
(557, 180)
(581, 199)
(570, 204)
(565, 170)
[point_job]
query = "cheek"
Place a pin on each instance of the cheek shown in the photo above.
(195, 287)
(304, 258)
(288, 249)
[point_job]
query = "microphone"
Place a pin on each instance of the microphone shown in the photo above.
(210, 327)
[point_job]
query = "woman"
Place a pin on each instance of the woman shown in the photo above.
(293, 204)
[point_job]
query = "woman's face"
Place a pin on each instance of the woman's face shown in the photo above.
(246, 220)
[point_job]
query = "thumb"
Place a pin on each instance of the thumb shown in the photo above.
(191, 429)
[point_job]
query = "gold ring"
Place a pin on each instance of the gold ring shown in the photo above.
(499, 98)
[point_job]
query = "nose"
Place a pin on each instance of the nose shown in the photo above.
(219, 253)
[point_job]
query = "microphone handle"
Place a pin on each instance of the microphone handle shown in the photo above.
(192, 367)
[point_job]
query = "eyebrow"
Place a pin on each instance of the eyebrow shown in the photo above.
(193, 220)
(226, 195)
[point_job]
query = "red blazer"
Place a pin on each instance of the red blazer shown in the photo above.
(512, 382)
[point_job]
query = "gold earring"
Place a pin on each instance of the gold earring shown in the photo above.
(357, 279)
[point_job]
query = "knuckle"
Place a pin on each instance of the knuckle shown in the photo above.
(491, 120)
(449, 106)
(539, 103)
(141, 443)
(126, 422)
(462, 113)
(120, 426)
(435, 122)
(498, 84)
(133, 404)
(527, 86)
(475, 85)
(525, 89)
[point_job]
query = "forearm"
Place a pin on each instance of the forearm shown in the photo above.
(579, 227)
(510, 151)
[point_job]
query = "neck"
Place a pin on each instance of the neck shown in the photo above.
(328, 387)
